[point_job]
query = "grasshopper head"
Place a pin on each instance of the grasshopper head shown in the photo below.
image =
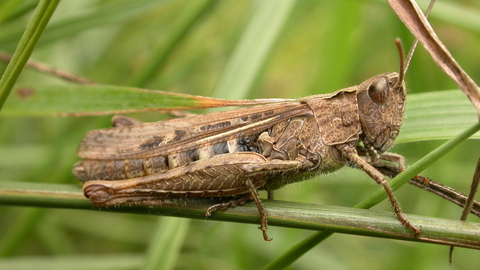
(381, 103)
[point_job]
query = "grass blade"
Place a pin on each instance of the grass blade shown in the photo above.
(253, 48)
(27, 43)
(286, 214)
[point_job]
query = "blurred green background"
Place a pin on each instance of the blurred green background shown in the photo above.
(315, 47)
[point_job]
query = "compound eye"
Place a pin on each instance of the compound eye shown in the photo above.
(379, 90)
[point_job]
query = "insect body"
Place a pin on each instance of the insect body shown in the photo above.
(237, 152)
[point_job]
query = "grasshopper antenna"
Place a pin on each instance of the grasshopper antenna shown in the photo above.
(415, 43)
(402, 70)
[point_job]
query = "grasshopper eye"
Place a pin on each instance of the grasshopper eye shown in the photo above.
(379, 90)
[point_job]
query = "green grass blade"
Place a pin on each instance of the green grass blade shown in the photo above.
(27, 43)
(339, 69)
(286, 214)
(457, 14)
(419, 166)
(109, 13)
(253, 48)
(166, 243)
(189, 19)
(15, 237)
(12, 9)
(122, 261)
(451, 12)
(97, 99)
(436, 115)
(297, 251)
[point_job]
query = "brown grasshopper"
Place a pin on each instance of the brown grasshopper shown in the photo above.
(237, 152)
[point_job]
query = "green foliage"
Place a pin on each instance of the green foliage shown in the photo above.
(312, 47)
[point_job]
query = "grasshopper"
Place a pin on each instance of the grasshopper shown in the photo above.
(235, 153)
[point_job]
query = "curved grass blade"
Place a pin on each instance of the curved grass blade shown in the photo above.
(434, 115)
(81, 100)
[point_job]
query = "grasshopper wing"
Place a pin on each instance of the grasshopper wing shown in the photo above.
(184, 134)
